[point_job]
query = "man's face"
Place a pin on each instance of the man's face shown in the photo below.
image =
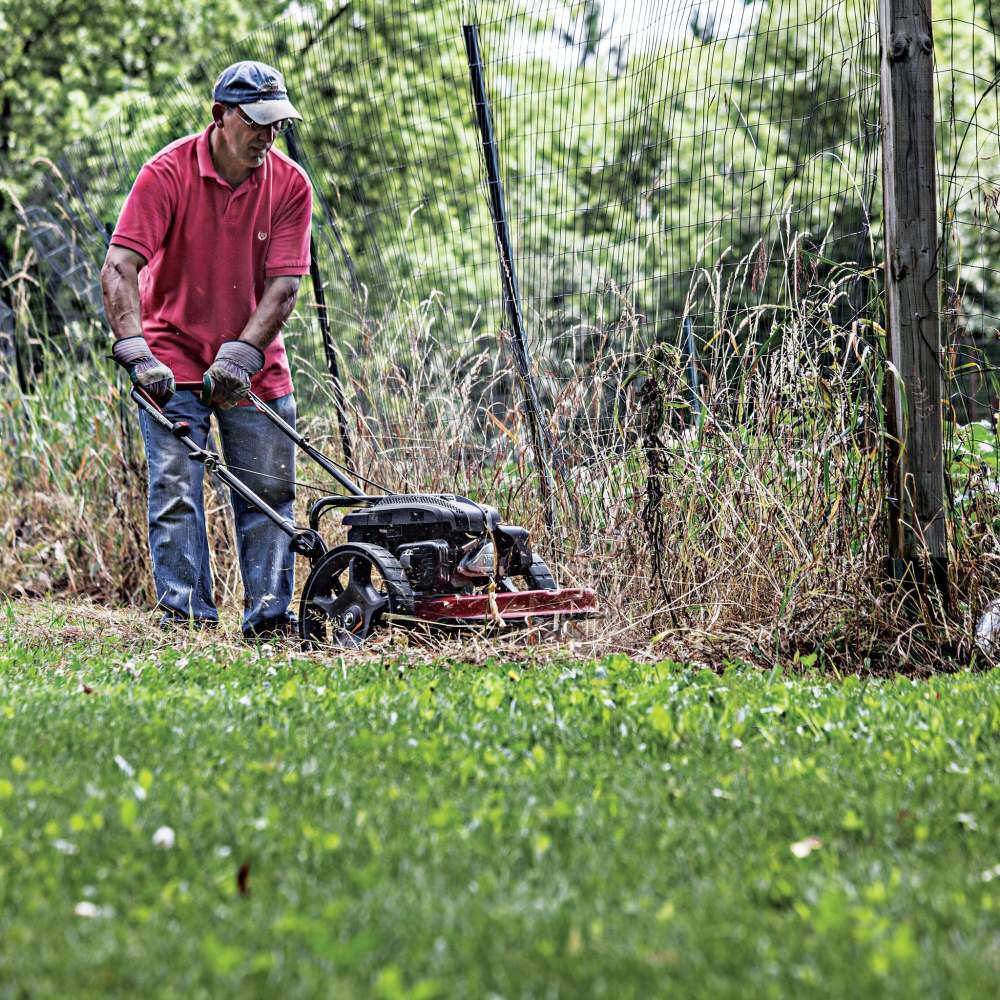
(244, 141)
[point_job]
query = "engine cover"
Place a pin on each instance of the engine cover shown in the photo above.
(429, 532)
(410, 515)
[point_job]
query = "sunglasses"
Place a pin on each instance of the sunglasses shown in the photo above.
(279, 126)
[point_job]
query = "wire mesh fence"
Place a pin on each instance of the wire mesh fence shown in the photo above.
(968, 115)
(651, 153)
(692, 191)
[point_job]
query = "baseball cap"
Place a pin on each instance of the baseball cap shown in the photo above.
(258, 89)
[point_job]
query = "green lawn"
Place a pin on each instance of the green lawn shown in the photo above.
(588, 829)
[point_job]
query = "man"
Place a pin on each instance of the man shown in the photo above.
(202, 272)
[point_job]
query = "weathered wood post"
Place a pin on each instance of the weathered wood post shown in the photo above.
(917, 537)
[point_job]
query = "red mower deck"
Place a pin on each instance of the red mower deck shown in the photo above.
(515, 606)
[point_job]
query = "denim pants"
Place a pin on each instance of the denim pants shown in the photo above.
(177, 537)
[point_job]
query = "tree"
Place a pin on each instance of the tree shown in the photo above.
(66, 66)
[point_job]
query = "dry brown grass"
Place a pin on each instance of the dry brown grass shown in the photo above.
(89, 628)
(751, 530)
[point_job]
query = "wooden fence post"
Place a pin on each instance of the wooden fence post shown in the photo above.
(917, 536)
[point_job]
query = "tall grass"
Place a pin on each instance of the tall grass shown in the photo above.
(746, 522)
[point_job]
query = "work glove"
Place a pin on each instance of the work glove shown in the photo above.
(228, 380)
(144, 368)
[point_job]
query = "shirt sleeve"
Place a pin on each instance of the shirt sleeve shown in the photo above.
(147, 213)
(288, 248)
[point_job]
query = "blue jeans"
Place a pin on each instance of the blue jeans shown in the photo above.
(177, 537)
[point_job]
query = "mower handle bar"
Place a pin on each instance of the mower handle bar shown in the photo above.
(204, 389)
(304, 541)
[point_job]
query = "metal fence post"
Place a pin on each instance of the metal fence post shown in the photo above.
(508, 276)
(322, 317)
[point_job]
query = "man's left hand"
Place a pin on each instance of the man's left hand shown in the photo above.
(235, 364)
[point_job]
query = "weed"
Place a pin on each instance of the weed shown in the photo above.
(763, 497)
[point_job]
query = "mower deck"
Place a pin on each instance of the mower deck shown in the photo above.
(513, 607)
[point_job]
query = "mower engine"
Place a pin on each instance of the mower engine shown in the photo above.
(444, 543)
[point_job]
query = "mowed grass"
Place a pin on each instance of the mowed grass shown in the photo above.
(578, 829)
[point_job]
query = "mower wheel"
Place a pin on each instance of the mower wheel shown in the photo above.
(349, 592)
(539, 576)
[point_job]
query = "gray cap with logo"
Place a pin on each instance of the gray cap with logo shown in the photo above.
(258, 89)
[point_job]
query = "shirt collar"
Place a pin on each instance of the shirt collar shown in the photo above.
(207, 168)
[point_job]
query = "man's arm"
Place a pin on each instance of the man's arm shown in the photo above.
(120, 285)
(274, 308)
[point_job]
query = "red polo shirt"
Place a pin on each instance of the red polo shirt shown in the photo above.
(209, 248)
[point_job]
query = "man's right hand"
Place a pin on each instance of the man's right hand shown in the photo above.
(144, 368)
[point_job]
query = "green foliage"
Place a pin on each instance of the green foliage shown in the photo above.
(67, 65)
(628, 168)
(592, 829)
(975, 450)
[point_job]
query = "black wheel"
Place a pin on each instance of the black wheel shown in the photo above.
(348, 593)
(538, 576)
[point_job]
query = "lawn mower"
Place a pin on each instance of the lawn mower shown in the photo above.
(431, 561)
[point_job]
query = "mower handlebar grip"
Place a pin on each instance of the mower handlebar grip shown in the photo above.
(203, 388)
